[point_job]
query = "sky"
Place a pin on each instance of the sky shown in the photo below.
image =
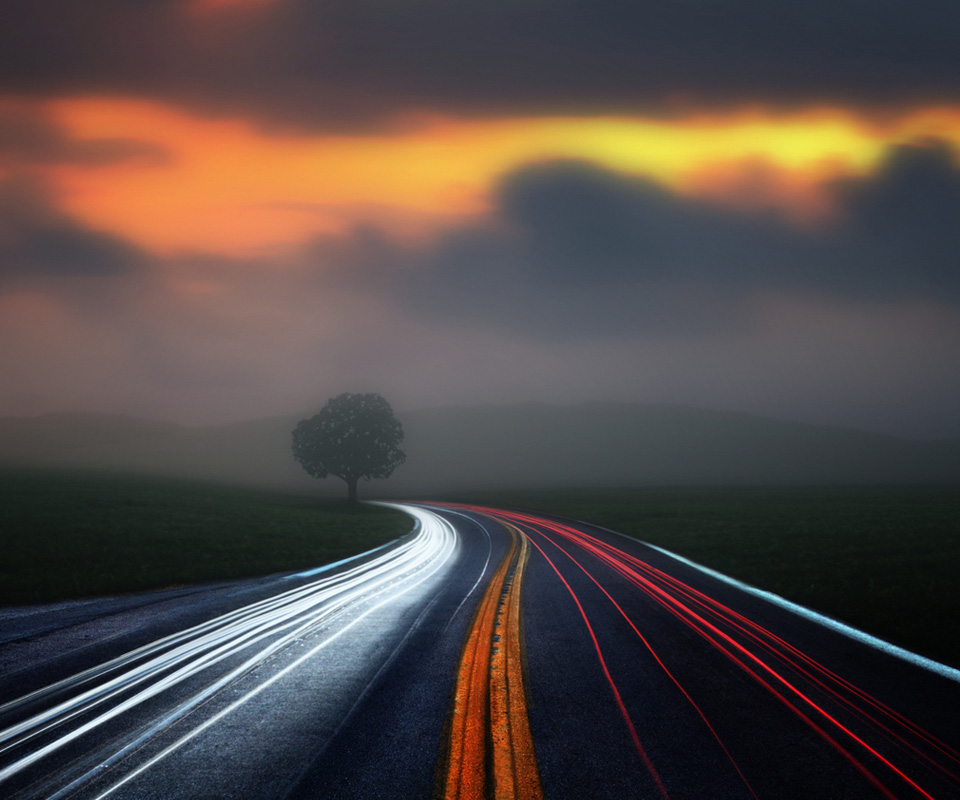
(214, 210)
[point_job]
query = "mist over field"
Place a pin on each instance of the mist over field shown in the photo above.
(491, 447)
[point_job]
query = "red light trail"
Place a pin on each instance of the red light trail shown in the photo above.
(885, 747)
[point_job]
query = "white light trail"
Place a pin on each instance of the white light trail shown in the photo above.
(257, 631)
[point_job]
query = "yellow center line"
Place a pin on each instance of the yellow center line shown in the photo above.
(489, 751)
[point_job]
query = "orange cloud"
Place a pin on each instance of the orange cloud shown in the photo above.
(236, 189)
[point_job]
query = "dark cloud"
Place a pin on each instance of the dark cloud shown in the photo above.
(37, 242)
(581, 224)
(350, 62)
(575, 250)
(580, 251)
(906, 220)
(103, 45)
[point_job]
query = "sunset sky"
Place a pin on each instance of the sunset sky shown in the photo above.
(212, 210)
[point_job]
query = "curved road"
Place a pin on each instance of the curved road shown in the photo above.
(489, 653)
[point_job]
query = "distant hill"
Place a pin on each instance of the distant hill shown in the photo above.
(486, 447)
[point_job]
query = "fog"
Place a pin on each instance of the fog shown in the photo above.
(499, 447)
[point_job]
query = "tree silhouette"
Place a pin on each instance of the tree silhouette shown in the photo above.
(354, 436)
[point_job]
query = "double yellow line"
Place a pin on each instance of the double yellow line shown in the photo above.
(489, 753)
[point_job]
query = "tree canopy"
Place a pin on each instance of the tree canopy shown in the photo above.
(354, 436)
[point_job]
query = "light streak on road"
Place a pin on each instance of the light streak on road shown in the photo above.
(253, 633)
(943, 670)
(656, 658)
(870, 740)
(253, 689)
(613, 686)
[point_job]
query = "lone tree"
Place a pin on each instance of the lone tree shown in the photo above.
(354, 436)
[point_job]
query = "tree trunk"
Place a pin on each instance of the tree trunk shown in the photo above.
(351, 489)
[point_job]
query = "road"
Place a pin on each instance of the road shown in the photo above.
(489, 653)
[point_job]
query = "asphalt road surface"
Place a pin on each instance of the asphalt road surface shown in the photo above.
(487, 654)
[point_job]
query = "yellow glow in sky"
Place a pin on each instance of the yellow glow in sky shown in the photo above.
(232, 188)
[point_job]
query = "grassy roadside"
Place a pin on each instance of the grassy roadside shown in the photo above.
(886, 560)
(69, 535)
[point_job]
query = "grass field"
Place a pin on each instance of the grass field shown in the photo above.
(886, 560)
(78, 535)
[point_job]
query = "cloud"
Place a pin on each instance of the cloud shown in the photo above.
(39, 244)
(905, 218)
(488, 314)
(358, 62)
(29, 138)
(581, 224)
(577, 251)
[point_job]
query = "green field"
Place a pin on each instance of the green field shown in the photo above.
(84, 534)
(886, 560)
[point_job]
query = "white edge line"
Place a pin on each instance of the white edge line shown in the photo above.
(944, 670)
